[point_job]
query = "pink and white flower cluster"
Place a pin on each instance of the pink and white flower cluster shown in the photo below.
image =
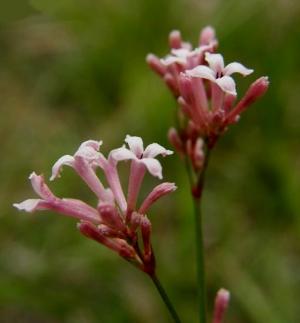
(204, 89)
(116, 220)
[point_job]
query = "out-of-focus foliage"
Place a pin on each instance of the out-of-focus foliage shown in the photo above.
(74, 70)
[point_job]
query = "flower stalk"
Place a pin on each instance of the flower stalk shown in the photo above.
(165, 298)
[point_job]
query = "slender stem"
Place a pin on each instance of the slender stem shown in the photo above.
(200, 260)
(165, 298)
(197, 188)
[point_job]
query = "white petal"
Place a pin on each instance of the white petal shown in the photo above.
(89, 154)
(215, 62)
(202, 71)
(89, 150)
(153, 166)
(57, 167)
(227, 84)
(169, 60)
(29, 205)
(237, 68)
(186, 45)
(135, 145)
(155, 149)
(180, 52)
(91, 143)
(121, 154)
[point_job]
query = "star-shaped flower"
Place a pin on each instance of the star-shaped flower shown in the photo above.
(145, 157)
(217, 72)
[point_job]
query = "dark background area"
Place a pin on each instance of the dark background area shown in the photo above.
(75, 70)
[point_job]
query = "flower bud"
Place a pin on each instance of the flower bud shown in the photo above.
(255, 91)
(221, 304)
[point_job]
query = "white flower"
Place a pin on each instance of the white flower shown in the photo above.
(143, 156)
(218, 73)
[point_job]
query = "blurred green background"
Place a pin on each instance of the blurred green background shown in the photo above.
(75, 70)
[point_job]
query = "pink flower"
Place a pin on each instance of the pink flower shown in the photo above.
(141, 160)
(144, 157)
(205, 92)
(182, 57)
(84, 163)
(114, 222)
(218, 73)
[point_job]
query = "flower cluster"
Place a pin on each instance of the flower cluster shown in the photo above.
(205, 91)
(116, 221)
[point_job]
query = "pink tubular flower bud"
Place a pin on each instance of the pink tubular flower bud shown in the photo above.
(175, 140)
(255, 91)
(207, 35)
(221, 304)
(175, 39)
(159, 191)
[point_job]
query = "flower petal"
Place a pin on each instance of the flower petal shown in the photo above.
(40, 187)
(155, 149)
(57, 167)
(169, 60)
(119, 154)
(70, 207)
(227, 84)
(89, 150)
(237, 68)
(135, 145)
(92, 144)
(181, 52)
(215, 62)
(30, 205)
(202, 71)
(153, 166)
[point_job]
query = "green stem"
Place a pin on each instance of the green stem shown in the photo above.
(197, 188)
(200, 260)
(165, 298)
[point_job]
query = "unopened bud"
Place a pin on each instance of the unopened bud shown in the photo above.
(255, 91)
(207, 35)
(175, 140)
(175, 39)
(158, 192)
(221, 304)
